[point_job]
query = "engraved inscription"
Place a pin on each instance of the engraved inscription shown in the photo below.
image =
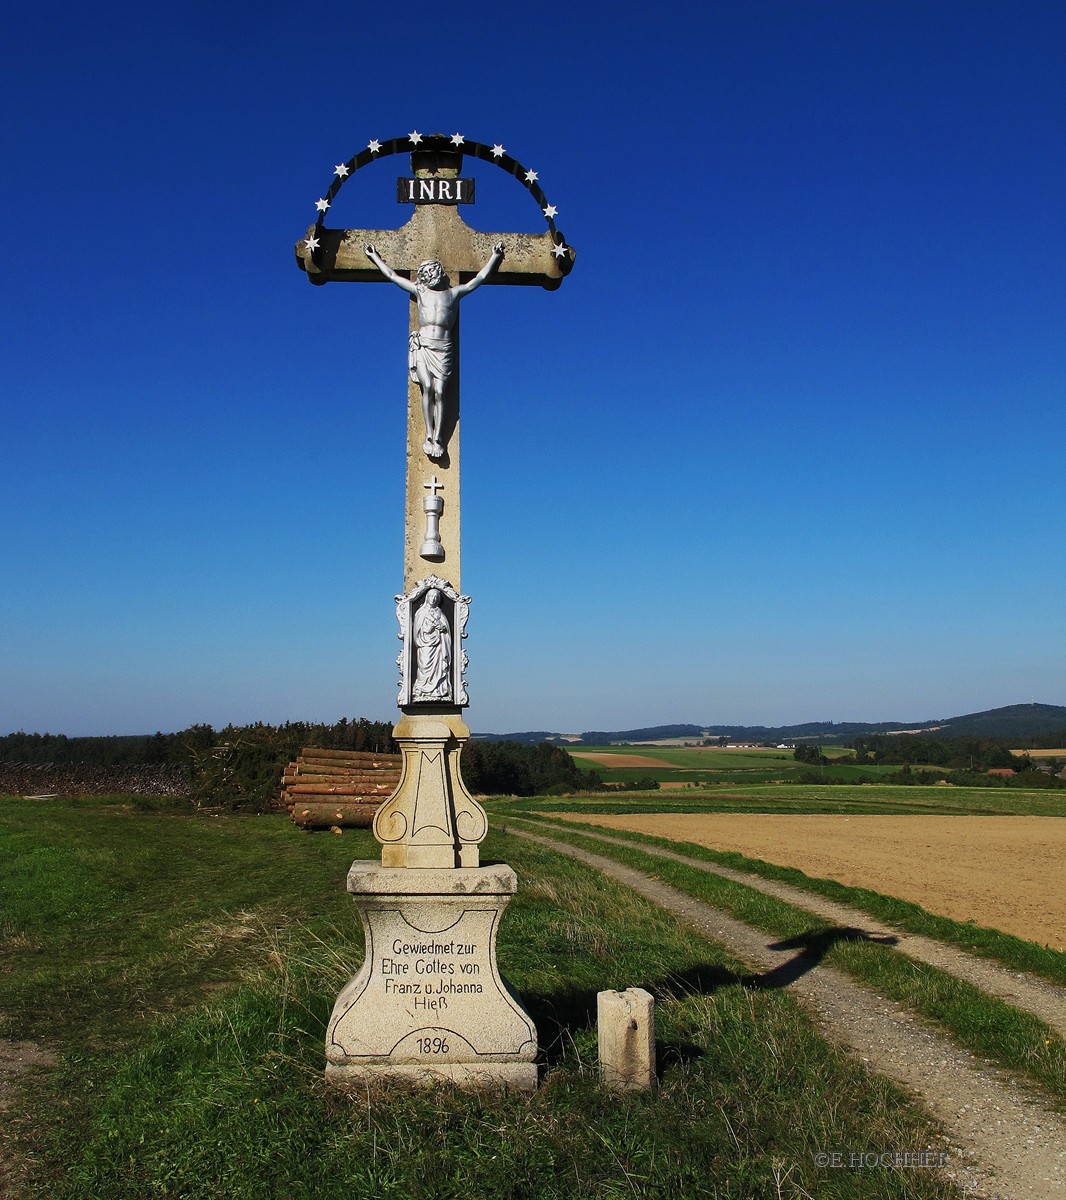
(431, 971)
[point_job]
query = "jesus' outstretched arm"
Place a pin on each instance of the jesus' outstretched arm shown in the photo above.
(465, 289)
(387, 271)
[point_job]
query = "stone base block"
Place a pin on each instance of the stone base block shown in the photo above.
(428, 1003)
(521, 1077)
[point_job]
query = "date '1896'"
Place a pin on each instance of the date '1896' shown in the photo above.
(432, 1045)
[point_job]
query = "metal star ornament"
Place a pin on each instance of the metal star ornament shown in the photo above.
(340, 170)
(414, 137)
(560, 250)
(551, 211)
(531, 176)
(457, 139)
(374, 146)
(497, 151)
(321, 205)
(312, 243)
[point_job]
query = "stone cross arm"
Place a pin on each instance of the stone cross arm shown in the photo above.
(530, 258)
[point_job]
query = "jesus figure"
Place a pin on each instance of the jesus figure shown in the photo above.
(432, 345)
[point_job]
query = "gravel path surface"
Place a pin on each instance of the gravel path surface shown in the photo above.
(1036, 996)
(1005, 1143)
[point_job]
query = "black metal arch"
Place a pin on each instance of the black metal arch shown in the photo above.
(429, 142)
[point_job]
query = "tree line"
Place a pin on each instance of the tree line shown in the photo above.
(967, 753)
(178, 748)
(239, 767)
(965, 760)
(519, 769)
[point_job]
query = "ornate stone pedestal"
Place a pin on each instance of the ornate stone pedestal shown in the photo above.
(428, 1003)
(430, 820)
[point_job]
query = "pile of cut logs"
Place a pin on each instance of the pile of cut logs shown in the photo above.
(324, 788)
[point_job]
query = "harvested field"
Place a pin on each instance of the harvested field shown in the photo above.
(1001, 872)
(629, 760)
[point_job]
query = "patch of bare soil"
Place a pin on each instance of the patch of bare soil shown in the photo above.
(1002, 872)
(15, 1057)
(1005, 1144)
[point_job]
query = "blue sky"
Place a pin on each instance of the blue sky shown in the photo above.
(787, 445)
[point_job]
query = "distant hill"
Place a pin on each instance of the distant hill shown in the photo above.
(534, 737)
(1021, 721)
(653, 733)
(1016, 720)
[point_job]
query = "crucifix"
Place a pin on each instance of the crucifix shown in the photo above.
(433, 346)
(428, 1001)
(438, 260)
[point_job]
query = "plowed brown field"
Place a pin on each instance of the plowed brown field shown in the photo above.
(1002, 872)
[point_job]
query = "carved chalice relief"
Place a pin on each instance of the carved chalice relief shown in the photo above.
(432, 506)
(433, 651)
(431, 347)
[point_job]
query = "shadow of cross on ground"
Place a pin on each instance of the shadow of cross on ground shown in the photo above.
(558, 1015)
(813, 947)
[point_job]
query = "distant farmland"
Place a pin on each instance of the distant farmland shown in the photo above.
(708, 765)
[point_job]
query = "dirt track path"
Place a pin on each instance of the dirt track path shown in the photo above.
(1043, 1000)
(1006, 1144)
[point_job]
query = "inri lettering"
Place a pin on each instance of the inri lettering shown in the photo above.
(435, 190)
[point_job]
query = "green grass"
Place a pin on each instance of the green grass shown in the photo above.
(887, 799)
(122, 900)
(184, 969)
(983, 1024)
(712, 765)
(706, 757)
(689, 764)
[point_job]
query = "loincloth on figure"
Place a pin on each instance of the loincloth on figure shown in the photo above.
(435, 354)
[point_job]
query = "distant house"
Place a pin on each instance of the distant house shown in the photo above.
(1003, 771)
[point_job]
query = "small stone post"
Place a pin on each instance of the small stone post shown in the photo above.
(626, 1022)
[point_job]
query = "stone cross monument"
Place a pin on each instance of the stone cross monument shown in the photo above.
(429, 1002)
